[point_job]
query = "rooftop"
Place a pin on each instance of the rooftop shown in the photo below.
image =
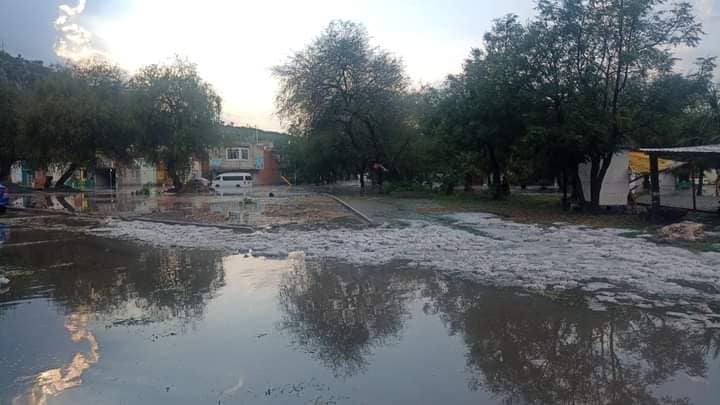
(707, 154)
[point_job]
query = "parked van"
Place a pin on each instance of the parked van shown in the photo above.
(232, 182)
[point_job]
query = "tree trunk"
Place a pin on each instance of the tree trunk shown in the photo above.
(701, 178)
(174, 176)
(362, 180)
(66, 205)
(177, 183)
(468, 183)
(565, 201)
(497, 184)
(496, 174)
(598, 170)
(66, 175)
(5, 170)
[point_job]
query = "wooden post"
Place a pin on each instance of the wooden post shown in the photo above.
(565, 201)
(654, 185)
(692, 182)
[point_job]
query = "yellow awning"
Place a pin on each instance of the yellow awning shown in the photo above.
(640, 163)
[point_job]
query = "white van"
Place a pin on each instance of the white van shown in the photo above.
(232, 182)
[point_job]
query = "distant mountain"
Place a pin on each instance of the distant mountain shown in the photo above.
(21, 71)
(232, 135)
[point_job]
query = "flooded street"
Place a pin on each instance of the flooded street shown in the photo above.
(89, 319)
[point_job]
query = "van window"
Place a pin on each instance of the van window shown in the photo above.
(233, 178)
(218, 178)
(248, 178)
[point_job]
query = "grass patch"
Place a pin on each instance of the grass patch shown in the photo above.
(540, 209)
(547, 209)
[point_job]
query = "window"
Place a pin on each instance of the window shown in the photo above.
(233, 178)
(248, 178)
(237, 153)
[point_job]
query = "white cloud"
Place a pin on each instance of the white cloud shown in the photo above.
(74, 41)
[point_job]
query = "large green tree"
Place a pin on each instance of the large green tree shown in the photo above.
(178, 113)
(9, 127)
(75, 115)
(341, 84)
(484, 108)
(17, 75)
(605, 49)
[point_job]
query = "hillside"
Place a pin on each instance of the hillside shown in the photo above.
(21, 71)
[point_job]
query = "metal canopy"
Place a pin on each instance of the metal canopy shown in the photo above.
(706, 154)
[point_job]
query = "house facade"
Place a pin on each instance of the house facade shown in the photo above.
(105, 174)
(256, 158)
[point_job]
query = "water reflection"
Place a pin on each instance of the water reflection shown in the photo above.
(529, 350)
(339, 315)
(517, 349)
(521, 349)
(52, 382)
(108, 203)
(115, 279)
(113, 283)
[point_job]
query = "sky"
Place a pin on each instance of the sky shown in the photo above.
(235, 43)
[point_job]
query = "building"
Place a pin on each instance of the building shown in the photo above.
(244, 150)
(256, 158)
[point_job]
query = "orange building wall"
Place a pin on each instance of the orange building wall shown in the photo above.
(270, 174)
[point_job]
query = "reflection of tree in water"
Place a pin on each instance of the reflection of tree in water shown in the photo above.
(119, 280)
(340, 314)
(531, 350)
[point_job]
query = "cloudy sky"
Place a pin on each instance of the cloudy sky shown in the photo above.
(236, 42)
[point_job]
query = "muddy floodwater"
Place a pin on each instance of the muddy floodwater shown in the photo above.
(92, 320)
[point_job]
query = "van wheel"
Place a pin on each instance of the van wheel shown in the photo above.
(237, 185)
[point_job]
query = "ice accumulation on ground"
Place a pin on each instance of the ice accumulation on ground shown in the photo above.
(601, 262)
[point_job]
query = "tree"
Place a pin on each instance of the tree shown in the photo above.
(608, 46)
(342, 85)
(551, 138)
(17, 75)
(75, 115)
(484, 107)
(442, 133)
(702, 115)
(178, 112)
(9, 126)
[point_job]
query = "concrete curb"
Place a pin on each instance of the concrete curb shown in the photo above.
(351, 208)
(240, 228)
(42, 211)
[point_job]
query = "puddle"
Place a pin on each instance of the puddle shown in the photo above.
(256, 208)
(122, 322)
(544, 259)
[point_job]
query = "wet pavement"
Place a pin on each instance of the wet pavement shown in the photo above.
(87, 319)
